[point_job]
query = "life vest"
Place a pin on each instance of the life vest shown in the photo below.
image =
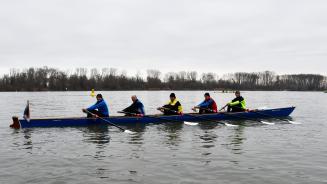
(238, 102)
(213, 106)
(174, 106)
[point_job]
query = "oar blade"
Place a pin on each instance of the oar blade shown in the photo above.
(294, 122)
(262, 108)
(129, 132)
(190, 123)
(267, 123)
(230, 125)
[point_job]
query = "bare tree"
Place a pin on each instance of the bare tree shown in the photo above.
(51, 79)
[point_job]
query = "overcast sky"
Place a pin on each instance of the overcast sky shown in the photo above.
(169, 35)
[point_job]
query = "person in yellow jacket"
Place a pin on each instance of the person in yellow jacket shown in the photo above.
(237, 104)
(173, 107)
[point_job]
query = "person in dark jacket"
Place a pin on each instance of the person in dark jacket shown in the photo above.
(237, 104)
(207, 106)
(99, 109)
(137, 107)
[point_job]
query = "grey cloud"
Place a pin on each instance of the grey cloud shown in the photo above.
(216, 36)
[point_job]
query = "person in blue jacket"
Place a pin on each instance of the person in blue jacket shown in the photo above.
(137, 108)
(99, 109)
(207, 106)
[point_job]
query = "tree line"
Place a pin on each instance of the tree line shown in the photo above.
(81, 79)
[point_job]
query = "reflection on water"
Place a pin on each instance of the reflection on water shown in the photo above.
(236, 140)
(173, 133)
(137, 136)
(101, 173)
(98, 135)
(28, 139)
(209, 139)
(209, 125)
(22, 140)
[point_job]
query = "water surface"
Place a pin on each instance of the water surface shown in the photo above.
(164, 153)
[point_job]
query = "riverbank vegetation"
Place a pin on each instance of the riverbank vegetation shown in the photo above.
(51, 79)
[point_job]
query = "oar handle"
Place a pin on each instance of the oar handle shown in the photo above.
(223, 107)
(165, 108)
(131, 113)
(207, 109)
(124, 112)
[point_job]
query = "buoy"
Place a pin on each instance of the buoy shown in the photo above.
(92, 93)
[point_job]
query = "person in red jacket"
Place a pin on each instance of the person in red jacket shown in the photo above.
(207, 106)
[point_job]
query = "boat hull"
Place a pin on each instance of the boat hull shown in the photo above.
(126, 120)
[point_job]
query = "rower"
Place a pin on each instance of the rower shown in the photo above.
(237, 104)
(207, 106)
(99, 109)
(173, 107)
(136, 109)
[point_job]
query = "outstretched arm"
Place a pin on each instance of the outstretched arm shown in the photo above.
(93, 107)
(234, 103)
(204, 104)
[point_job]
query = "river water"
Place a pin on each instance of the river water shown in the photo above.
(164, 153)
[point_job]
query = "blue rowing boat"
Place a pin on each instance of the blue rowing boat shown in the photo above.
(129, 120)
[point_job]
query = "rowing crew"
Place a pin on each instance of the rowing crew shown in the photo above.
(173, 107)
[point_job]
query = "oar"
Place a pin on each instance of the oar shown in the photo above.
(270, 116)
(125, 112)
(247, 118)
(241, 117)
(120, 128)
(161, 118)
(203, 108)
(185, 122)
(280, 119)
(223, 107)
(206, 119)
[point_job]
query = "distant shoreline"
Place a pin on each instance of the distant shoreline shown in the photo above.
(109, 79)
(174, 90)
